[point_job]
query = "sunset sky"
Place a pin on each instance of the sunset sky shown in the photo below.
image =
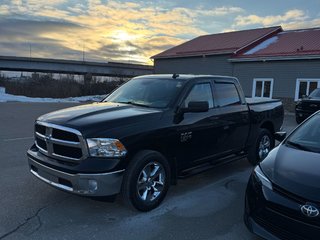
(133, 31)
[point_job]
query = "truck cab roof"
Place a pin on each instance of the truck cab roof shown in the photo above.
(185, 77)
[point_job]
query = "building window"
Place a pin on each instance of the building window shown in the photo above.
(262, 87)
(305, 87)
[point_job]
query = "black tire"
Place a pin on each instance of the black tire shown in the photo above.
(256, 154)
(137, 181)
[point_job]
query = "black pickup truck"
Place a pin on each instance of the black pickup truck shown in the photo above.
(147, 133)
(308, 105)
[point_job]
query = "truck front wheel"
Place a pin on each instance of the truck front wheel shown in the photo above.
(263, 145)
(146, 181)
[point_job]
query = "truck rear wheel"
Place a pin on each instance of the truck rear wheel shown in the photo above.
(146, 181)
(263, 145)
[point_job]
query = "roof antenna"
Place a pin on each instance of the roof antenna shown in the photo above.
(175, 75)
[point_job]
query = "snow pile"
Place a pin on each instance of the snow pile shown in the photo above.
(262, 45)
(4, 97)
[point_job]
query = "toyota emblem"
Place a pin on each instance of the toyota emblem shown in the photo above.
(309, 210)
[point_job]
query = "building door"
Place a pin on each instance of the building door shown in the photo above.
(305, 87)
(262, 87)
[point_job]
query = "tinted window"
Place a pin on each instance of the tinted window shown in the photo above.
(200, 92)
(306, 137)
(258, 89)
(153, 92)
(266, 90)
(227, 94)
(315, 93)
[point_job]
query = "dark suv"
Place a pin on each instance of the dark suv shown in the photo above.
(308, 105)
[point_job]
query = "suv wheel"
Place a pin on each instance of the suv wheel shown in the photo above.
(146, 181)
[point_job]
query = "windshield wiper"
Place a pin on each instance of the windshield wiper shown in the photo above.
(134, 103)
(299, 146)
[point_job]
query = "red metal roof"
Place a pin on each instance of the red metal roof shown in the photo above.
(221, 43)
(293, 43)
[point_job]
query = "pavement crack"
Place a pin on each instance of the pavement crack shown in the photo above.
(39, 225)
(36, 215)
(26, 221)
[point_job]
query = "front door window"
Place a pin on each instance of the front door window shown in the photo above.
(200, 92)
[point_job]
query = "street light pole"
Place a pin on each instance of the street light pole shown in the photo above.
(83, 53)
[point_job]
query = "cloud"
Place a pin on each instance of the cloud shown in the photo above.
(292, 19)
(77, 9)
(229, 30)
(220, 11)
(40, 2)
(291, 15)
(302, 24)
(17, 36)
(9, 26)
(113, 30)
(4, 10)
(118, 30)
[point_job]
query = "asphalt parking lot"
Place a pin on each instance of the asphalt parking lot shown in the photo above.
(205, 206)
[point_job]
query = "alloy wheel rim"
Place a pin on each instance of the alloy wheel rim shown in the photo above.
(264, 147)
(151, 182)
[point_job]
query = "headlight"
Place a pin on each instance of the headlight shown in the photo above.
(261, 178)
(106, 147)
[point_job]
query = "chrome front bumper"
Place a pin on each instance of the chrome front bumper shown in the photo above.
(101, 184)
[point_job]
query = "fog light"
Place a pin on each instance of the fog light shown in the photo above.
(93, 185)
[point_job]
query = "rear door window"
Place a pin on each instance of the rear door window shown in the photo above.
(226, 94)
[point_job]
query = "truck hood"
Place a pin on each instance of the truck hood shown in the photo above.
(94, 119)
(294, 170)
(311, 104)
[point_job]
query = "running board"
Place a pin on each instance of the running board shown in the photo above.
(209, 165)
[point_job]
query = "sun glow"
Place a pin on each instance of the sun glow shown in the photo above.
(122, 36)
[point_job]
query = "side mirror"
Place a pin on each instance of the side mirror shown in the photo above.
(280, 136)
(202, 106)
(304, 96)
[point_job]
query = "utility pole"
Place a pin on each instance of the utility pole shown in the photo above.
(83, 53)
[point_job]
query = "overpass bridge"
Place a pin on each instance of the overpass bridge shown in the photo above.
(25, 64)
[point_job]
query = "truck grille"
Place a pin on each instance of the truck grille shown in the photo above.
(59, 142)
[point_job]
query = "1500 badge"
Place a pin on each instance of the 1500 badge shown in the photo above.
(185, 137)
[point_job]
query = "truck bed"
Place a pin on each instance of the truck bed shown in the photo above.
(255, 101)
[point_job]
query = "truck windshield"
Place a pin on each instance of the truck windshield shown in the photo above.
(306, 137)
(147, 92)
(315, 93)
